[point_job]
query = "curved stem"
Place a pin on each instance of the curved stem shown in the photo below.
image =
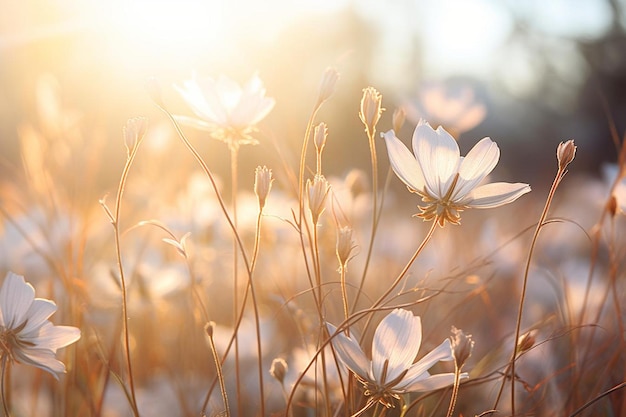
(5, 406)
(557, 180)
(234, 152)
(370, 247)
(455, 391)
(118, 253)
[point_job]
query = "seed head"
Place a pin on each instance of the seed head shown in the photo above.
(279, 369)
(345, 245)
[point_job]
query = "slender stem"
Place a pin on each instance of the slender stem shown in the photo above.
(5, 406)
(557, 180)
(344, 293)
(404, 271)
(374, 162)
(220, 374)
(455, 391)
(118, 252)
(234, 152)
(256, 311)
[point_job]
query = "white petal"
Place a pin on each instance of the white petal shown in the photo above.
(56, 337)
(41, 358)
(16, 296)
(418, 371)
(196, 123)
(38, 313)
(438, 154)
(478, 163)
(195, 98)
(403, 162)
(228, 92)
(432, 383)
(496, 194)
(349, 352)
(397, 340)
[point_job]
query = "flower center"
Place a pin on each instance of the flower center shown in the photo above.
(442, 209)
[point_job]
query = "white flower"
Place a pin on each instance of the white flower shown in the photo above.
(26, 334)
(225, 109)
(391, 372)
(454, 108)
(448, 182)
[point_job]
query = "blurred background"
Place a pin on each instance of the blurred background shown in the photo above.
(544, 71)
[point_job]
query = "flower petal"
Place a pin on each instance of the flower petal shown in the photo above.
(438, 154)
(397, 340)
(478, 163)
(16, 296)
(496, 194)
(403, 162)
(419, 370)
(41, 358)
(195, 97)
(431, 383)
(349, 352)
(38, 313)
(196, 123)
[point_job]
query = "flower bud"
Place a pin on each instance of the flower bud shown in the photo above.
(370, 109)
(399, 115)
(318, 190)
(525, 342)
(319, 137)
(611, 206)
(565, 153)
(279, 369)
(344, 245)
(208, 328)
(462, 346)
(262, 184)
(134, 131)
(328, 84)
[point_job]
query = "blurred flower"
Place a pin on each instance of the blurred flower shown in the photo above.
(328, 84)
(447, 182)
(391, 372)
(227, 110)
(455, 109)
(398, 118)
(279, 369)
(26, 334)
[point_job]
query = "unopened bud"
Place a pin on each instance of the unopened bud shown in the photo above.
(318, 190)
(399, 115)
(525, 342)
(611, 206)
(357, 182)
(319, 137)
(134, 131)
(208, 328)
(565, 153)
(328, 84)
(462, 346)
(344, 245)
(371, 109)
(279, 369)
(262, 184)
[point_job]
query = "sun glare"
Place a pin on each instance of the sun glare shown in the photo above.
(169, 30)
